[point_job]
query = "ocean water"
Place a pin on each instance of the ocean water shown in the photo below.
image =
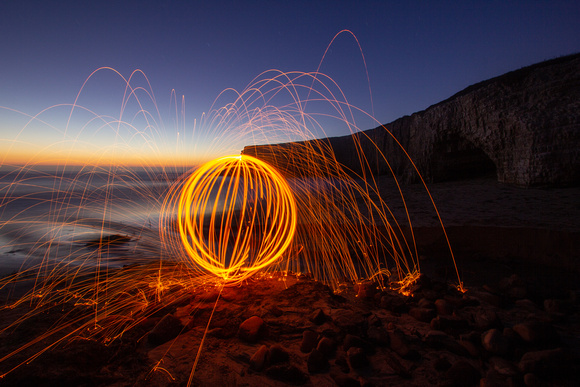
(53, 216)
(50, 217)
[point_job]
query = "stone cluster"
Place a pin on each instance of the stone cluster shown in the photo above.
(365, 336)
(290, 330)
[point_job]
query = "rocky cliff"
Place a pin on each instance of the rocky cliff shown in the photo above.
(524, 126)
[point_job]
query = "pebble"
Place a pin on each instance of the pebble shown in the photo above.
(343, 380)
(342, 362)
(309, 341)
(326, 346)
(494, 341)
(553, 306)
(441, 364)
(399, 343)
(396, 365)
(448, 323)
(357, 358)
(423, 282)
(491, 298)
(378, 336)
(252, 329)
(347, 339)
(317, 317)
(470, 348)
(486, 319)
(546, 363)
(503, 366)
(354, 341)
(374, 320)
(536, 332)
(277, 354)
(394, 302)
(472, 336)
(517, 292)
(426, 303)
(443, 307)
(347, 320)
(531, 380)
(511, 281)
(462, 373)
(557, 309)
(526, 304)
(430, 294)
(468, 301)
(276, 312)
(422, 314)
(317, 362)
(168, 328)
(366, 290)
(287, 373)
(510, 336)
(440, 340)
(494, 379)
(258, 359)
(514, 287)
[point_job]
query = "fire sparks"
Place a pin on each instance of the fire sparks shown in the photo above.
(236, 216)
(96, 246)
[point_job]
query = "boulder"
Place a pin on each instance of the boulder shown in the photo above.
(252, 329)
(495, 342)
(545, 363)
(317, 317)
(317, 362)
(357, 358)
(169, 327)
(259, 358)
(536, 332)
(422, 314)
(326, 346)
(309, 341)
(287, 373)
(463, 373)
(277, 354)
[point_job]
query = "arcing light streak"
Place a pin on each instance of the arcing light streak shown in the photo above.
(233, 217)
(236, 215)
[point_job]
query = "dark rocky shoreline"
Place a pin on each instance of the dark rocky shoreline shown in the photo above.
(517, 325)
(295, 331)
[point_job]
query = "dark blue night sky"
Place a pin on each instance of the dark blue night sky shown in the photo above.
(417, 52)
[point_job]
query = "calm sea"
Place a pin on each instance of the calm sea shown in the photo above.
(52, 215)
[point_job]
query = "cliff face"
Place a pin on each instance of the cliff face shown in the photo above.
(524, 126)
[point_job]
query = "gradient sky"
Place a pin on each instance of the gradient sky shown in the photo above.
(417, 52)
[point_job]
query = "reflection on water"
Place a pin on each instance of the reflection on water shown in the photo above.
(98, 216)
(57, 216)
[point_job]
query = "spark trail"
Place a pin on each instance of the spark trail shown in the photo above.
(140, 223)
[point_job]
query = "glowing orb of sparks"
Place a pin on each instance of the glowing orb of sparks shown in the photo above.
(236, 216)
